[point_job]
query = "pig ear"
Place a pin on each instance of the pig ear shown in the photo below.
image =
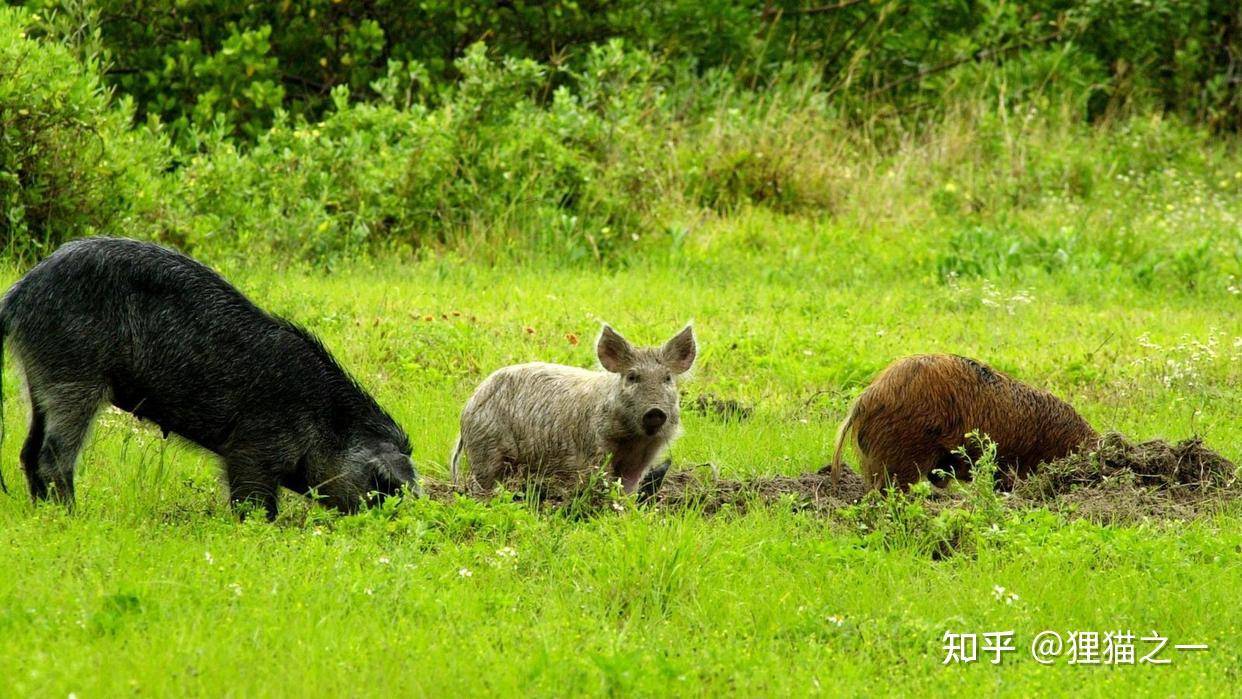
(679, 352)
(616, 354)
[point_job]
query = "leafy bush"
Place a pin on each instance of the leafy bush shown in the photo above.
(69, 165)
(235, 63)
(489, 165)
(977, 252)
(614, 154)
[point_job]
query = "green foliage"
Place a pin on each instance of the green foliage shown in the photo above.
(978, 252)
(1043, 185)
(229, 62)
(488, 165)
(199, 64)
(615, 154)
(896, 519)
(69, 165)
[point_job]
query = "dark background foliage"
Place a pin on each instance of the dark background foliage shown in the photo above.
(579, 131)
(236, 61)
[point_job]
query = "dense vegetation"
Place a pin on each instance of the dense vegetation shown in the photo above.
(195, 64)
(578, 134)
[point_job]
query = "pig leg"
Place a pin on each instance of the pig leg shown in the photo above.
(873, 471)
(296, 481)
(953, 467)
(252, 484)
(490, 467)
(898, 467)
(487, 463)
(68, 410)
(30, 453)
(880, 475)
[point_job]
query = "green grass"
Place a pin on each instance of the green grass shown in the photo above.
(152, 587)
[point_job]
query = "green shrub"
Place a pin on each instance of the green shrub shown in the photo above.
(978, 252)
(610, 156)
(69, 163)
(234, 62)
(489, 167)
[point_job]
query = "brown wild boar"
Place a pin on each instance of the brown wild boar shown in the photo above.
(561, 423)
(917, 412)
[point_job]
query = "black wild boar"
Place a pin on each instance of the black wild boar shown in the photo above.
(151, 331)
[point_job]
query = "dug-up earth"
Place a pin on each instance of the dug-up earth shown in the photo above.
(1120, 481)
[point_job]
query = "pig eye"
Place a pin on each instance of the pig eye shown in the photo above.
(668, 378)
(632, 377)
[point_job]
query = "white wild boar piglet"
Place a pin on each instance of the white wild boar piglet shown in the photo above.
(559, 424)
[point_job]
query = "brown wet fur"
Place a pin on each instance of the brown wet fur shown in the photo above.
(913, 417)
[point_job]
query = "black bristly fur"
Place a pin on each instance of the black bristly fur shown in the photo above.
(164, 337)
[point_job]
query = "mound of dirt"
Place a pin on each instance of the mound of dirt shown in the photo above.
(701, 488)
(1187, 466)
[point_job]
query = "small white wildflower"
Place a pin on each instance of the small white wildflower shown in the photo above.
(835, 620)
(506, 552)
(618, 506)
(383, 560)
(236, 588)
(369, 592)
(465, 572)
(1000, 594)
(207, 556)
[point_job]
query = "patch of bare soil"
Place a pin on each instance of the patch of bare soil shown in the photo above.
(1121, 480)
(442, 491)
(699, 488)
(723, 409)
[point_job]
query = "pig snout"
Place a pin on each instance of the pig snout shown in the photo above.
(393, 473)
(653, 420)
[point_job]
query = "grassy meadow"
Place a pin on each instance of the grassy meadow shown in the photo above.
(152, 587)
